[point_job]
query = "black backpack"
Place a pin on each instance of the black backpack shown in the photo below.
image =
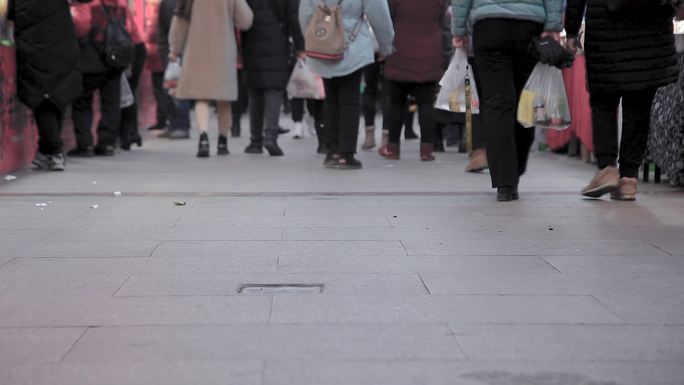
(118, 45)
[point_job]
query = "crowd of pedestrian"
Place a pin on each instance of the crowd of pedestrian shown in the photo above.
(236, 56)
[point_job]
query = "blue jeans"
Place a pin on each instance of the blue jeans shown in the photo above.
(180, 116)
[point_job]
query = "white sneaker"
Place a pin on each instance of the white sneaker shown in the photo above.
(298, 132)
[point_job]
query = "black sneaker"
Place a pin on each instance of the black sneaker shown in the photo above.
(104, 150)
(254, 148)
(203, 150)
(507, 194)
(222, 146)
(348, 162)
(156, 127)
(82, 152)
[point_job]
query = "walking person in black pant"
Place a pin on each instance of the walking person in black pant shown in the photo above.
(414, 69)
(501, 39)
(128, 129)
(91, 21)
(47, 57)
(630, 51)
(342, 78)
(157, 44)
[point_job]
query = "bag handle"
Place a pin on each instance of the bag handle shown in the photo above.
(109, 15)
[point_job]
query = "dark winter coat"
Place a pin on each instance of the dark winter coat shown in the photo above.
(418, 41)
(266, 49)
(47, 52)
(166, 11)
(629, 44)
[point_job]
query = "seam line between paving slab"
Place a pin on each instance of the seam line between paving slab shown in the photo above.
(137, 326)
(71, 348)
(195, 194)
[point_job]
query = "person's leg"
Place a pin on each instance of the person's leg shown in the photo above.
(604, 113)
(48, 119)
(128, 132)
(371, 75)
(331, 115)
(478, 128)
(425, 98)
(272, 102)
(179, 121)
(350, 113)
(225, 120)
(256, 121)
(239, 107)
(604, 117)
(409, 116)
(82, 114)
(203, 114)
(110, 110)
(163, 100)
(636, 119)
(297, 106)
(494, 60)
(523, 65)
(396, 94)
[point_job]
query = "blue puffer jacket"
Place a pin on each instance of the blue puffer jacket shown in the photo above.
(468, 12)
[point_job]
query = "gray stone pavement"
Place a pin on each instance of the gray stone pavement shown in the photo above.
(424, 278)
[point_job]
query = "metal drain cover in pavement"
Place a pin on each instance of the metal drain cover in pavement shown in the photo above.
(272, 289)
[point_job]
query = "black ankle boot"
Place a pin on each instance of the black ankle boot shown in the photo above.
(222, 145)
(203, 151)
(271, 144)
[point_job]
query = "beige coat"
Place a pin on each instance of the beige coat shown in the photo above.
(208, 48)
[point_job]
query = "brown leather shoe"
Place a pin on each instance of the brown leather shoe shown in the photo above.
(391, 151)
(606, 180)
(478, 161)
(426, 152)
(626, 191)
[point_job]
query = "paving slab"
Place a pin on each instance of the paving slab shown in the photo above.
(414, 264)
(151, 285)
(89, 311)
(285, 248)
(36, 345)
(470, 373)
(135, 373)
(265, 342)
(432, 309)
(60, 249)
(588, 343)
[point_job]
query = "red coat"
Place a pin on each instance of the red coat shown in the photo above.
(418, 41)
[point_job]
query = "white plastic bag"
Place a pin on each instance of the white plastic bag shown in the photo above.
(127, 97)
(304, 83)
(543, 101)
(172, 75)
(452, 95)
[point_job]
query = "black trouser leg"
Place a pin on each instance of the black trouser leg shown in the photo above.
(408, 119)
(273, 100)
(636, 120)
(369, 99)
(239, 107)
(110, 110)
(129, 115)
(350, 112)
(503, 65)
(331, 113)
(256, 115)
(163, 99)
(425, 97)
(297, 106)
(604, 118)
(395, 109)
(49, 119)
(478, 127)
(82, 110)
